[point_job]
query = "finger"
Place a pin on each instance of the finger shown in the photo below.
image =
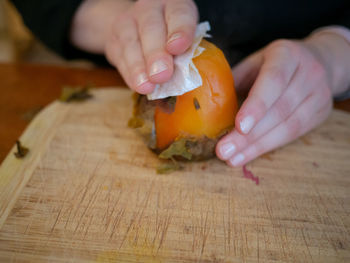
(235, 142)
(114, 56)
(295, 94)
(246, 71)
(132, 55)
(296, 125)
(181, 17)
(153, 36)
(275, 74)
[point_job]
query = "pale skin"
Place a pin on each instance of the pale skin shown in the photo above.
(291, 82)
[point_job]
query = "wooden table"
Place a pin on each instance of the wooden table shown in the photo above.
(25, 88)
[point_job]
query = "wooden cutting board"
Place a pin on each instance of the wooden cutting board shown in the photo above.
(88, 192)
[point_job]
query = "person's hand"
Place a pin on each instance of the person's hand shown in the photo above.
(291, 93)
(143, 40)
(139, 37)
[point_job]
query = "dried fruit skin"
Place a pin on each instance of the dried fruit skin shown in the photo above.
(207, 111)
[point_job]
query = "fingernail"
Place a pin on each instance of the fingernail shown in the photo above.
(174, 37)
(157, 67)
(141, 78)
(227, 150)
(237, 159)
(247, 124)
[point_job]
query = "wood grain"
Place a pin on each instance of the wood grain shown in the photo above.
(88, 192)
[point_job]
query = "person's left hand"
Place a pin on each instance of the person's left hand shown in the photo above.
(291, 94)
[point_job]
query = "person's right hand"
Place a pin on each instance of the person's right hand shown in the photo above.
(142, 41)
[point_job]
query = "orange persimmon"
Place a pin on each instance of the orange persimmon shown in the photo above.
(207, 111)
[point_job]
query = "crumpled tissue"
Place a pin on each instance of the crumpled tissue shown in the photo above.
(186, 76)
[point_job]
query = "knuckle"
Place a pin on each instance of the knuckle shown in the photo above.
(120, 21)
(285, 48)
(257, 106)
(283, 45)
(131, 45)
(317, 69)
(151, 25)
(277, 76)
(123, 31)
(122, 17)
(128, 39)
(283, 108)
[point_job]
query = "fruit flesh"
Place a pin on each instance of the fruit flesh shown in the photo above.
(206, 111)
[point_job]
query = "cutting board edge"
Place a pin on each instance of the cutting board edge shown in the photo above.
(15, 173)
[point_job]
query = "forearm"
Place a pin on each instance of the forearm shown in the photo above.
(92, 22)
(334, 49)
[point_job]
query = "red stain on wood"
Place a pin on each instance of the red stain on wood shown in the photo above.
(249, 175)
(315, 164)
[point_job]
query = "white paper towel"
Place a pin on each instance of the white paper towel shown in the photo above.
(186, 76)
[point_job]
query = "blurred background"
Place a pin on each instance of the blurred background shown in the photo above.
(17, 44)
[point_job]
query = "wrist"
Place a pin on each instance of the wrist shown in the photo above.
(332, 46)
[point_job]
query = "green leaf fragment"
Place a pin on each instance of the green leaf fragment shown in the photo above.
(135, 122)
(166, 168)
(21, 150)
(77, 93)
(177, 148)
(169, 166)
